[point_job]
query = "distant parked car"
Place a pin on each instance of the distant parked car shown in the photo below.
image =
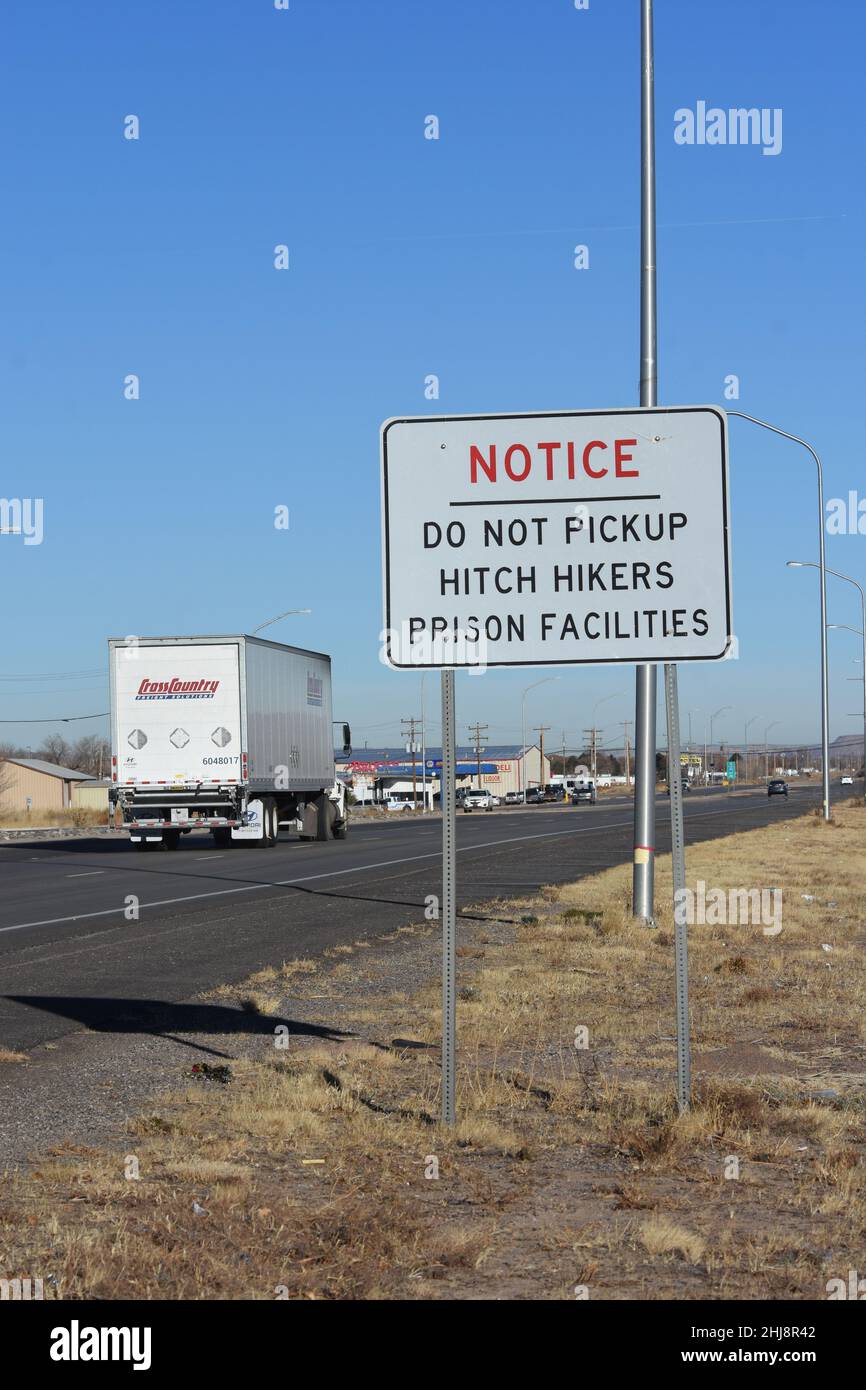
(586, 794)
(480, 801)
(777, 788)
(535, 796)
(513, 798)
(395, 804)
(847, 781)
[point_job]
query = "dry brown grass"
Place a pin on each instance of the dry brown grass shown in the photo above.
(313, 1170)
(78, 816)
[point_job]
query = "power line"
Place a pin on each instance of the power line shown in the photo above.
(61, 719)
(53, 675)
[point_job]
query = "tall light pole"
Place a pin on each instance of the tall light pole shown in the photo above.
(837, 574)
(825, 683)
(543, 681)
(643, 868)
(749, 724)
(863, 635)
(766, 749)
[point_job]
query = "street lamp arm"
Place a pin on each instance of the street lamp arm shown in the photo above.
(774, 429)
(288, 613)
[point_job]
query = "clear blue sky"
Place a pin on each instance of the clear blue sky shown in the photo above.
(408, 257)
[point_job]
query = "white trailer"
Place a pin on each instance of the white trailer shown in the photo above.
(228, 734)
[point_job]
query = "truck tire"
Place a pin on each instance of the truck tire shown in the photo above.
(270, 815)
(171, 839)
(324, 817)
(222, 837)
(341, 830)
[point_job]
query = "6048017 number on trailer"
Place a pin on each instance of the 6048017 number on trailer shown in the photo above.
(233, 735)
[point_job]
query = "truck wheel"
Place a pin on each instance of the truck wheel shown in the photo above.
(271, 823)
(324, 818)
(341, 830)
(222, 837)
(171, 840)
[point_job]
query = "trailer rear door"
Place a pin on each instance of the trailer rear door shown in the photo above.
(177, 714)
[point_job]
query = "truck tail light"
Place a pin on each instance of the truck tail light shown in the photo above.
(244, 766)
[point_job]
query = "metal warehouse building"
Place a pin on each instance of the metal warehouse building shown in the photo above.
(29, 785)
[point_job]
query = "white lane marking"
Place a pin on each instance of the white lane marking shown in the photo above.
(309, 878)
(210, 856)
(337, 873)
(88, 873)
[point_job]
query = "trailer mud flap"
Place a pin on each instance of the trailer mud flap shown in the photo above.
(253, 827)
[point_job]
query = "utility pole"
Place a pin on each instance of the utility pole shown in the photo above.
(541, 730)
(479, 737)
(591, 737)
(626, 724)
(409, 731)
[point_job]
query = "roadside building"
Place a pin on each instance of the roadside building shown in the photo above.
(374, 775)
(30, 786)
(91, 795)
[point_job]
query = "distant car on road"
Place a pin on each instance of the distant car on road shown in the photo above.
(585, 794)
(847, 781)
(777, 788)
(480, 801)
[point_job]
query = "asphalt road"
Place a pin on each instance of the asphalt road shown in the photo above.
(72, 954)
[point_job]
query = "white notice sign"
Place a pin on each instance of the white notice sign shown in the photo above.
(544, 540)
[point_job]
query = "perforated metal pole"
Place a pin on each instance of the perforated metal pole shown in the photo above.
(643, 870)
(678, 856)
(449, 906)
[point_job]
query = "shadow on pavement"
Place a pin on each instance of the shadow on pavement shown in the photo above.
(161, 1019)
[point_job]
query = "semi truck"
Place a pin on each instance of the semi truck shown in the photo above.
(231, 735)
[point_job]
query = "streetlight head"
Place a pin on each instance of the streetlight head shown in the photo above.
(794, 564)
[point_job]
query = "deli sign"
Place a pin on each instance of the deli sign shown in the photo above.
(583, 537)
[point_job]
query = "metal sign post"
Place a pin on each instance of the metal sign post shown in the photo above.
(678, 863)
(449, 906)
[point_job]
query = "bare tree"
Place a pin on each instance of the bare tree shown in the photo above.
(55, 749)
(90, 754)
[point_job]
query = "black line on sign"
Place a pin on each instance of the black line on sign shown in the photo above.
(542, 501)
